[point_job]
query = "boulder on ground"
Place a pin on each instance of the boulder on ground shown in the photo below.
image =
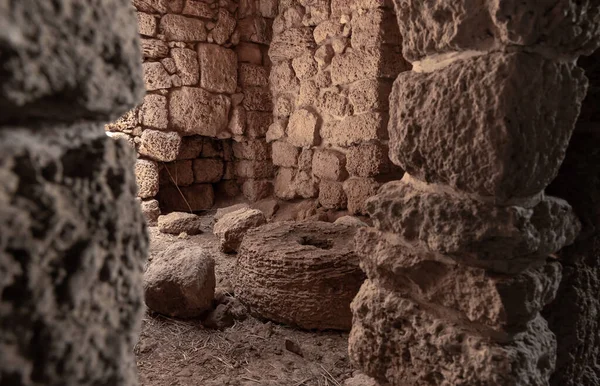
(179, 222)
(232, 227)
(180, 282)
(221, 212)
(303, 274)
(350, 221)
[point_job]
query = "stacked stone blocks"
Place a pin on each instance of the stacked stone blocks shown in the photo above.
(461, 259)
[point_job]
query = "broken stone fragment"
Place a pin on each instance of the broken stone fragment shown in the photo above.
(178, 222)
(440, 350)
(196, 111)
(180, 282)
(232, 227)
(500, 238)
(221, 212)
(303, 274)
(498, 138)
(151, 210)
(146, 177)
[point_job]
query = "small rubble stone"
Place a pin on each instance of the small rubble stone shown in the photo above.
(178, 222)
(221, 212)
(180, 282)
(151, 211)
(159, 145)
(232, 227)
(146, 177)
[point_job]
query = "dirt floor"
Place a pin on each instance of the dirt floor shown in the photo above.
(250, 353)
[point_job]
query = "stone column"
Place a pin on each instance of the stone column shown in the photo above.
(72, 238)
(461, 259)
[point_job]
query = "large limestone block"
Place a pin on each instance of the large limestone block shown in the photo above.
(72, 252)
(481, 234)
(368, 63)
(475, 127)
(186, 62)
(355, 129)
(303, 128)
(146, 177)
(303, 274)
(178, 222)
(181, 28)
(433, 27)
(180, 282)
(196, 111)
(218, 68)
(64, 60)
(400, 342)
(495, 301)
(292, 43)
(160, 145)
(231, 228)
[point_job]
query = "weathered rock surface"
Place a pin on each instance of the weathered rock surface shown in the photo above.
(429, 28)
(499, 302)
(146, 177)
(504, 239)
(350, 221)
(232, 227)
(72, 251)
(196, 111)
(477, 108)
(178, 222)
(398, 342)
(180, 282)
(151, 211)
(63, 60)
(222, 212)
(303, 274)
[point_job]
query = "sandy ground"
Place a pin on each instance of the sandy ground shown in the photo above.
(250, 353)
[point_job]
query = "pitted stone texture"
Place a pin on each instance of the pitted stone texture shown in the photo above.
(368, 63)
(186, 62)
(358, 191)
(329, 165)
(356, 129)
(303, 129)
(42, 41)
(146, 177)
(178, 222)
(218, 68)
(151, 211)
(153, 113)
(232, 227)
(154, 49)
(495, 301)
(292, 43)
(196, 111)
(182, 29)
(72, 252)
(159, 6)
(156, 76)
(180, 282)
(433, 27)
(159, 145)
(499, 139)
(375, 28)
(504, 239)
(332, 195)
(368, 159)
(303, 274)
(400, 342)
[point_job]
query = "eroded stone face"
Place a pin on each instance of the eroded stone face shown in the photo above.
(399, 342)
(72, 252)
(196, 111)
(62, 60)
(473, 126)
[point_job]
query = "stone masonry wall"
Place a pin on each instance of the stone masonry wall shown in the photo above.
(462, 257)
(202, 124)
(333, 66)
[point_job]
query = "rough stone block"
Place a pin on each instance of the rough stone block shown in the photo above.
(332, 195)
(224, 28)
(305, 159)
(188, 69)
(151, 211)
(253, 75)
(499, 139)
(305, 66)
(334, 104)
(356, 129)
(231, 228)
(71, 230)
(370, 95)
(257, 99)
(276, 131)
(254, 29)
(176, 223)
(159, 145)
(191, 147)
(208, 170)
(257, 150)
(179, 173)
(127, 122)
(253, 169)
(159, 6)
(146, 178)
(180, 281)
(282, 77)
(62, 65)
(369, 63)
(326, 30)
(196, 111)
(284, 154)
(258, 123)
(156, 77)
(329, 165)
(283, 184)
(504, 239)
(182, 29)
(199, 8)
(303, 129)
(153, 113)
(292, 43)
(319, 300)
(213, 148)
(154, 49)
(218, 68)
(375, 28)
(147, 24)
(441, 347)
(255, 190)
(186, 198)
(358, 191)
(305, 185)
(249, 53)
(368, 159)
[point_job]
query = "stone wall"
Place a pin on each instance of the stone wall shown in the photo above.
(333, 67)
(461, 259)
(201, 127)
(73, 241)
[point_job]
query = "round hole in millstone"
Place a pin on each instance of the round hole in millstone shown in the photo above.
(303, 274)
